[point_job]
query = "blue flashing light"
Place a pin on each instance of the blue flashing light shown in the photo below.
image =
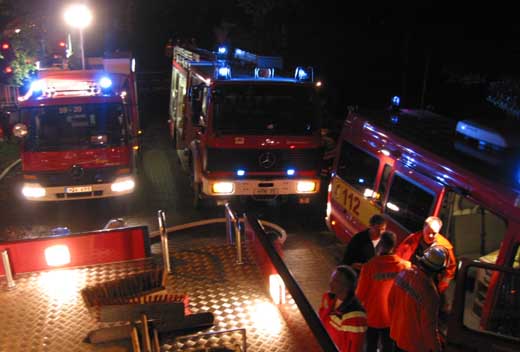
(394, 119)
(396, 101)
(361, 180)
(37, 86)
(60, 231)
(301, 74)
(264, 72)
(105, 82)
(222, 50)
(518, 176)
(291, 172)
(241, 172)
(224, 72)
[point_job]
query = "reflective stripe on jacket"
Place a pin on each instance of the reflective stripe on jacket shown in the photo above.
(413, 304)
(346, 325)
(375, 281)
(408, 247)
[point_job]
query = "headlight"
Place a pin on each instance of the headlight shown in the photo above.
(223, 187)
(123, 184)
(33, 190)
(306, 186)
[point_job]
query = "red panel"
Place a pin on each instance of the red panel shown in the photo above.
(92, 158)
(263, 142)
(85, 249)
(261, 258)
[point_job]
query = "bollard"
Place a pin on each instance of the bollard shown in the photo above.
(8, 271)
(164, 240)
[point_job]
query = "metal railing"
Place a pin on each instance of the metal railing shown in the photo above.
(161, 217)
(233, 231)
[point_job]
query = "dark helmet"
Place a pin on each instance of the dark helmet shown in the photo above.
(434, 259)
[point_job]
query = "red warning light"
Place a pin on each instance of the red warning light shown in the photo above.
(62, 44)
(8, 69)
(5, 46)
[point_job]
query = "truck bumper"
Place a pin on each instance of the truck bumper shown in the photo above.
(222, 188)
(37, 193)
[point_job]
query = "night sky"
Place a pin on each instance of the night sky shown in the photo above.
(364, 52)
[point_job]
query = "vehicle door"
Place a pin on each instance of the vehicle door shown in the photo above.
(409, 198)
(486, 311)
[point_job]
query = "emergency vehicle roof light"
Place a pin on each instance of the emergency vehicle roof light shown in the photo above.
(223, 72)
(304, 74)
(264, 72)
(38, 85)
(396, 101)
(222, 50)
(105, 82)
(483, 135)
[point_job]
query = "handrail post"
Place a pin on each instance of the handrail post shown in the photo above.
(161, 217)
(238, 241)
(229, 228)
(8, 271)
(232, 226)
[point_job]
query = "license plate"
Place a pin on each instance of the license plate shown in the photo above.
(78, 189)
(266, 191)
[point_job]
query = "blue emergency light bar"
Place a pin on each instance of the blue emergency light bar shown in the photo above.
(37, 86)
(105, 82)
(304, 74)
(264, 72)
(222, 50)
(223, 72)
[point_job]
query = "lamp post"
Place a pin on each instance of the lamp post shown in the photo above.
(79, 16)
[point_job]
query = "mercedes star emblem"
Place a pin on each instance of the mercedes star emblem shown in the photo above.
(76, 171)
(267, 160)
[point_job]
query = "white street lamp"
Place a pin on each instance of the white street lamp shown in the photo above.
(79, 16)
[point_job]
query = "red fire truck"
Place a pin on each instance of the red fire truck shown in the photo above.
(242, 130)
(79, 132)
(410, 164)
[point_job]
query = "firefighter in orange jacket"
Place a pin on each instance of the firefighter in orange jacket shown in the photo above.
(375, 281)
(341, 313)
(413, 304)
(415, 244)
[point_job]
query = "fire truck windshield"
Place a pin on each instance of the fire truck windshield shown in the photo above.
(263, 109)
(78, 126)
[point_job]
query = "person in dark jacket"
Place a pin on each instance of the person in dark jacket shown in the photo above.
(362, 245)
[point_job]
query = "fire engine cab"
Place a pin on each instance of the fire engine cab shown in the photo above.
(243, 130)
(79, 132)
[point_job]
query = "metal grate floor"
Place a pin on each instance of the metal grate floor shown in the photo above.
(45, 312)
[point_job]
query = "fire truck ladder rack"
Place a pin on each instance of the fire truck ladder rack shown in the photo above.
(186, 57)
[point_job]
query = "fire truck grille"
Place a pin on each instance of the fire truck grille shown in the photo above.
(86, 176)
(266, 160)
